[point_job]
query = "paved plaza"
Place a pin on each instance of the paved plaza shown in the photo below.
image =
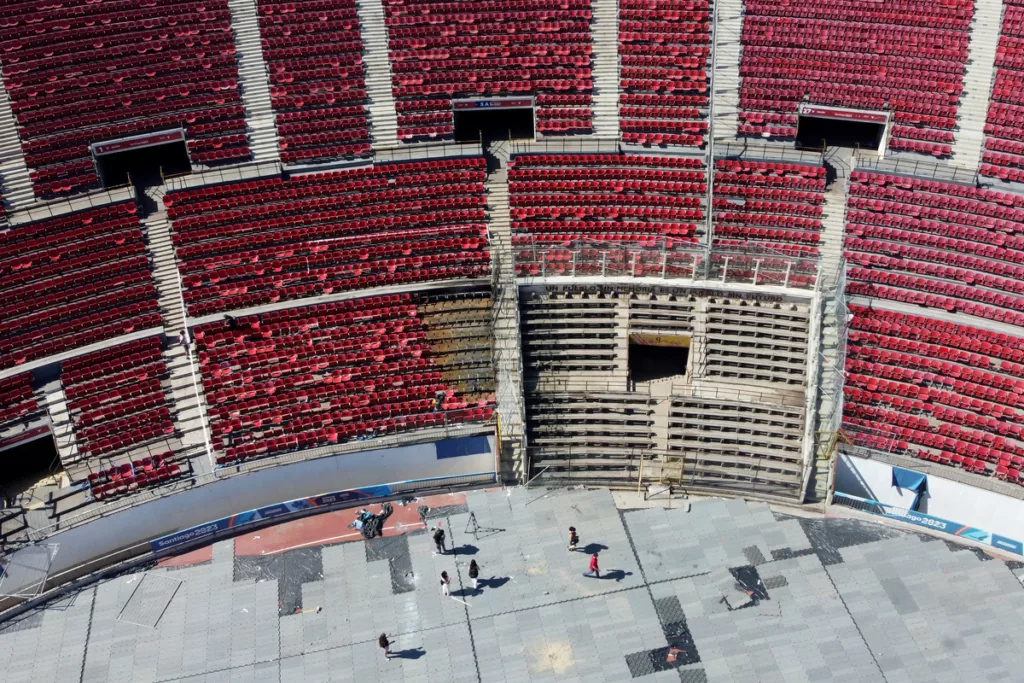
(726, 591)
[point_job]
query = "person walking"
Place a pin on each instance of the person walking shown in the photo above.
(474, 572)
(594, 569)
(439, 540)
(573, 538)
(385, 645)
(445, 583)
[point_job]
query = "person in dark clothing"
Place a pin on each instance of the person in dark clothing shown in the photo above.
(573, 538)
(232, 322)
(474, 572)
(385, 645)
(594, 569)
(445, 584)
(439, 540)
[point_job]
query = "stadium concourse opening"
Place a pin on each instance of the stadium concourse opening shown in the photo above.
(820, 127)
(493, 120)
(26, 464)
(653, 357)
(142, 160)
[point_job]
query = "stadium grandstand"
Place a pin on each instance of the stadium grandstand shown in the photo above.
(734, 286)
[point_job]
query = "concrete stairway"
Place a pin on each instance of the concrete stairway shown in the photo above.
(15, 182)
(978, 75)
(60, 418)
(507, 348)
(254, 81)
(165, 269)
(727, 50)
(832, 360)
(189, 403)
(381, 108)
(605, 40)
(833, 222)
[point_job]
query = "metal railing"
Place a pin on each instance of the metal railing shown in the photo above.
(664, 258)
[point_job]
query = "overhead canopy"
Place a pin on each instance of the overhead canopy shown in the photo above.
(911, 481)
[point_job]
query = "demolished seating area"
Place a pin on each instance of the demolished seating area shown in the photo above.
(1004, 128)
(936, 244)
(118, 405)
(908, 57)
(314, 376)
(664, 49)
(769, 206)
(79, 72)
(947, 393)
(314, 55)
(260, 241)
(488, 48)
(73, 280)
(605, 214)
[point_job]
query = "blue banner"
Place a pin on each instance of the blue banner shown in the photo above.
(930, 522)
(202, 531)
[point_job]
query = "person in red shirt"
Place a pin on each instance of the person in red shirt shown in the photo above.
(594, 569)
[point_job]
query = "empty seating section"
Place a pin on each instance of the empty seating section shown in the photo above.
(593, 435)
(79, 72)
(255, 242)
(751, 341)
(118, 403)
(1003, 156)
(572, 336)
(314, 54)
(737, 445)
(907, 57)
(948, 393)
(662, 315)
(602, 214)
(664, 49)
(936, 244)
(73, 280)
(17, 401)
(313, 376)
(770, 204)
(487, 48)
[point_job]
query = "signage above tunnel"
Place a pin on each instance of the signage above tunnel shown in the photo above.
(138, 142)
(493, 103)
(842, 114)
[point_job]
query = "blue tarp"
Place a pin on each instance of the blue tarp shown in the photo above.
(467, 445)
(911, 481)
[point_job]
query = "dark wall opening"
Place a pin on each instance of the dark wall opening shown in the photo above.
(24, 465)
(493, 124)
(647, 363)
(143, 165)
(815, 133)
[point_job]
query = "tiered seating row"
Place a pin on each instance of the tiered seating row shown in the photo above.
(116, 399)
(16, 399)
(755, 342)
(573, 202)
(130, 477)
(769, 203)
(939, 391)
(909, 60)
(72, 280)
(80, 72)
(663, 49)
(314, 53)
(935, 243)
(1004, 145)
(306, 377)
(255, 242)
(489, 48)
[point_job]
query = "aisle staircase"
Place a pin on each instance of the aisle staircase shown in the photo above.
(254, 81)
(507, 350)
(381, 108)
(727, 51)
(605, 39)
(978, 75)
(15, 181)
